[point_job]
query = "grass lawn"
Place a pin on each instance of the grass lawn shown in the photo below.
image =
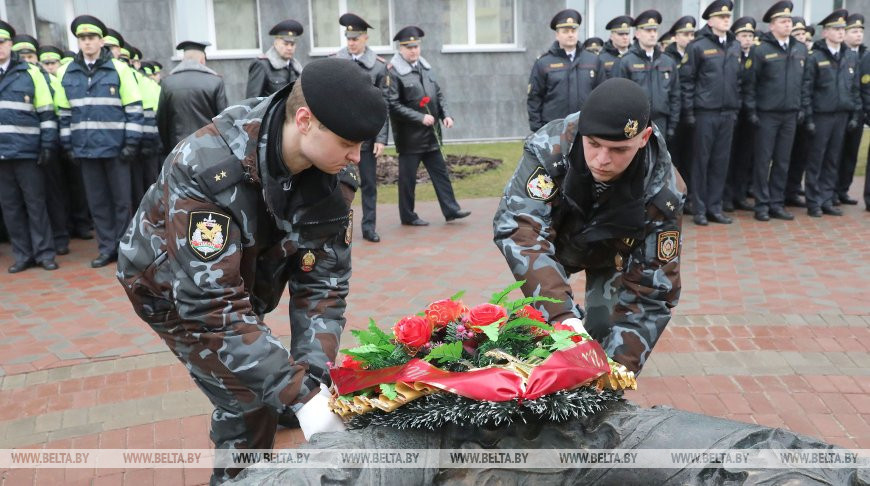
(491, 183)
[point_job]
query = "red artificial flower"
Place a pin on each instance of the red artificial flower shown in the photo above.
(565, 327)
(531, 313)
(425, 101)
(485, 314)
(349, 362)
(413, 331)
(443, 312)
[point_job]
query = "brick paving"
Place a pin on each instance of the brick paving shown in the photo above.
(773, 328)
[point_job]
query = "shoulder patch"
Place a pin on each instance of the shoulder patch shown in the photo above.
(222, 175)
(748, 64)
(865, 79)
(540, 185)
(668, 246)
(667, 202)
(207, 233)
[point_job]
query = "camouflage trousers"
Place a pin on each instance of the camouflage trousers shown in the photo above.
(240, 420)
(601, 294)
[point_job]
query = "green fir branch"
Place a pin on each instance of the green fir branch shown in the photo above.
(498, 297)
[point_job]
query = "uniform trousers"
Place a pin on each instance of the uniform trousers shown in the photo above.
(823, 158)
(773, 144)
(848, 160)
(798, 164)
(22, 199)
(710, 159)
(57, 200)
(437, 169)
(107, 185)
(740, 164)
(368, 174)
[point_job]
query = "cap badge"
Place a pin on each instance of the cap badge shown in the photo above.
(630, 128)
(787, 10)
(624, 25)
(569, 20)
(725, 8)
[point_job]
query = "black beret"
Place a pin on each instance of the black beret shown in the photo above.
(87, 24)
(593, 43)
(343, 98)
(288, 29)
(50, 53)
(355, 25)
(855, 21)
(778, 10)
(620, 24)
(744, 24)
(24, 42)
(718, 7)
(686, 23)
(192, 45)
(566, 18)
(409, 35)
(798, 23)
(7, 32)
(836, 19)
(113, 38)
(648, 19)
(618, 109)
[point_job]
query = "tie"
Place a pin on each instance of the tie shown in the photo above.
(2, 72)
(90, 66)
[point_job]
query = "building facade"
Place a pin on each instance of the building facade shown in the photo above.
(481, 50)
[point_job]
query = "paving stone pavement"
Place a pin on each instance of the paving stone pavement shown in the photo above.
(773, 327)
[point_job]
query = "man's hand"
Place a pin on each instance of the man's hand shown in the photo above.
(150, 149)
(670, 133)
(378, 149)
(129, 153)
(45, 156)
(853, 124)
(428, 120)
(448, 122)
(315, 416)
(575, 323)
(753, 120)
(800, 116)
(690, 120)
(810, 127)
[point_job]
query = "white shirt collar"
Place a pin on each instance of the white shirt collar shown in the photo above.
(723, 39)
(834, 50)
(5, 66)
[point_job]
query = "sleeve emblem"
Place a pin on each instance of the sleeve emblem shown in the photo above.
(206, 233)
(669, 245)
(540, 185)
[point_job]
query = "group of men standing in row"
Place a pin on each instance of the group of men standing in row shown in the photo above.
(743, 112)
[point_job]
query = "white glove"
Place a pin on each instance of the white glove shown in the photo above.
(575, 323)
(315, 416)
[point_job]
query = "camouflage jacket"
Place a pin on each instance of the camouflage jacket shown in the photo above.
(527, 228)
(221, 233)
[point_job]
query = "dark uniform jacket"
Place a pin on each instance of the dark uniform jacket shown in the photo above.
(830, 85)
(219, 236)
(865, 87)
(376, 67)
(609, 56)
(711, 75)
(659, 78)
(189, 98)
(558, 87)
(270, 73)
(774, 76)
(26, 112)
(405, 90)
(546, 235)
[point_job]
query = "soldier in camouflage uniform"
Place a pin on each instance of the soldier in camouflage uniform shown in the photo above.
(591, 194)
(248, 204)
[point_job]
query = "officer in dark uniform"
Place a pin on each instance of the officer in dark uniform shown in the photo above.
(416, 127)
(657, 74)
(865, 99)
(853, 39)
(356, 33)
(740, 165)
(27, 141)
(803, 33)
(190, 96)
(562, 77)
(619, 42)
(680, 145)
(278, 67)
(593, 45)
(711, 96)
(832, 105)
(773, 99)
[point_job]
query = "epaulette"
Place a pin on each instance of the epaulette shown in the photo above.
(221, 176)
(667, 202)
(349, 176)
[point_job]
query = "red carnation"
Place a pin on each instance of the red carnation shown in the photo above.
(413, 331)
(425, 101)
(485, 314)
(531, 313)
(349, 362)
(565, 327)
(443, 312)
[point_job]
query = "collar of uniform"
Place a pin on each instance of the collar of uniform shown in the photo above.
(402, 67)
(368, 58)
(5, 65)
(191, 65)
(279, 62)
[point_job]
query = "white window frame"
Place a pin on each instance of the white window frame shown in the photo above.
(473, 46)
(214, 51)
(339, 32)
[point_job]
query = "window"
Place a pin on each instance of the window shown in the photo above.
(327, 36)
(52, 19)
(232, 26)
(480, 25)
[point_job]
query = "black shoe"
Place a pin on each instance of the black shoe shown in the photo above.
(288, 421)
(801, 192)
(835, 200)
(719, 218)
(86, 235)
(728, 207)
(458, 215)
(102, 260)
(845, 199)
(831, 211)
(370, 235)
(762, 216)
(63, 250)
(700, 220)
(795, 202)
(20, 266)
(417, 222)
(779, 213)
(743, 205)
(814, 212)
(48, 264)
